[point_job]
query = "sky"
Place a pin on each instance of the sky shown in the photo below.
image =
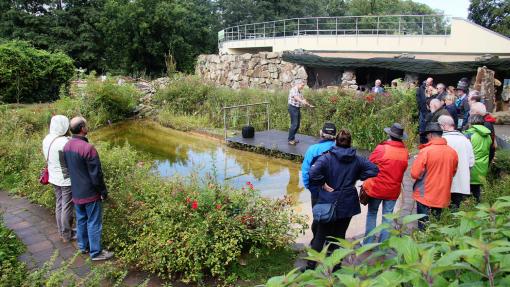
(455, 8)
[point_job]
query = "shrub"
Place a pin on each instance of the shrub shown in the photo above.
(29, 75)
(186, 94)
(474, 250)
(501, 164)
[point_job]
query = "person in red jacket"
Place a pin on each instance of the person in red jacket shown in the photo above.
(391, 158)
(433, 170)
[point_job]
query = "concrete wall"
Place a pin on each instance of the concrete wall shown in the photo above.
(262, 70)
(466, 42)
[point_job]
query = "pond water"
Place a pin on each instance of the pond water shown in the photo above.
(177, 152)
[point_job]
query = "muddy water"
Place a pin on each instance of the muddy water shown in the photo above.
(183, 153)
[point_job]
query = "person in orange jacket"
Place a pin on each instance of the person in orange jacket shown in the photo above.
(434, 169)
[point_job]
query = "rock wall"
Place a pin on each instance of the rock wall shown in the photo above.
(264, 70)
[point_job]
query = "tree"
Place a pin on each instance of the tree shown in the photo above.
(491, 14)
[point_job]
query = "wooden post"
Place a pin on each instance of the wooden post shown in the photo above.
(484, 83)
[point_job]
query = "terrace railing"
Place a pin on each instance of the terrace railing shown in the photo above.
(345, 25)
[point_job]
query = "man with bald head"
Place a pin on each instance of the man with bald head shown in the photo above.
(88, 190)
(436, 110)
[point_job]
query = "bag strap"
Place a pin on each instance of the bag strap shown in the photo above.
(49, 148)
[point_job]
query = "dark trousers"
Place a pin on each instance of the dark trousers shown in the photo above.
(295, 120)
(421, 128)
(325, 231)
(457, 199)
(423, 209)
(476, 190)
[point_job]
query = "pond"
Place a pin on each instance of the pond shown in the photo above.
(182, 153)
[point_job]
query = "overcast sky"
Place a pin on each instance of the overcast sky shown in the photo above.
(455, 8)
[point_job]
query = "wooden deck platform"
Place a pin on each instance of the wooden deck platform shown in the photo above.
(276, 141)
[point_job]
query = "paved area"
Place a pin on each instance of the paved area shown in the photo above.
(36, 227)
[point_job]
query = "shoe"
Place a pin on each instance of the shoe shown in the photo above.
(104, 255)
(292, 142)
(86, 251)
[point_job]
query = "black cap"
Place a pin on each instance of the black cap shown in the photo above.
(329, 128)
(396, 131)
(433, 127)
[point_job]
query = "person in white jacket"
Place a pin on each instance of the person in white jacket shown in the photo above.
(459, 142)
(52, 147)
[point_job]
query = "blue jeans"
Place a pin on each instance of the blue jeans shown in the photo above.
(295, 119)
(89, 226)
(373, 208)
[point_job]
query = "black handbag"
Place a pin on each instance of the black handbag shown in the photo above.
(248, 132)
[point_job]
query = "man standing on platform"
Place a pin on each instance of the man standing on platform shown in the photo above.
(296, 101)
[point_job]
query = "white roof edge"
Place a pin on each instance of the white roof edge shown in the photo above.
(482, 27)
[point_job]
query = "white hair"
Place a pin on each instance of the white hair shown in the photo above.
(478, 109)
(473, 93)
(435, 105)
(446, 121)
(441, 85)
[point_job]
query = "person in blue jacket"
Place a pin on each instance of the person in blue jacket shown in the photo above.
(327, 134)
(337, 172)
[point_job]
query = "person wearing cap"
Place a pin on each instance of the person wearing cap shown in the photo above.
(295, 102)
(327, 141)
(433, 170)
(462, 102)
(455, 139)
(480, 138)
(391, 158)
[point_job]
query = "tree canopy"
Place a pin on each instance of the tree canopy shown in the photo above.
(133, 36)
(491, 14)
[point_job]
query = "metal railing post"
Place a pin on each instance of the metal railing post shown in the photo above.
(267, 113)
(377, 25)
(245, 35)
(264, 35)
(298, 33)
(356, 26)
(399, 20)
(238, 33)
(317, 26)
(336, 26)
(284, 33)
(225, 122)
(422, 24)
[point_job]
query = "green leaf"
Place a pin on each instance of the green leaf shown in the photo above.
(348, 280)
(406, 247)
(336, 257)
(411, 218)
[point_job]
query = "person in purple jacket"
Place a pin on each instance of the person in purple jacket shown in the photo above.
(88, 190)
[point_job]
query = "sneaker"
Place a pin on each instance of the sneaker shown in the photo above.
(86, 251)
(292, 142)
(104, 255)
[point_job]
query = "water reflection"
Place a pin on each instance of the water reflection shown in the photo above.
(185, 154)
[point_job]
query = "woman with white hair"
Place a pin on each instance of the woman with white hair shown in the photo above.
(478, 108)
(52, 147)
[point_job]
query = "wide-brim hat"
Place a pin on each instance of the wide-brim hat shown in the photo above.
(462, 85)
(433, 127)
(396, 131)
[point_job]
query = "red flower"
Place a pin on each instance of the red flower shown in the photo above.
(218, 206)
(334, 99)
(250, 185)
(194, 205)
(188, 200)
(369, 98)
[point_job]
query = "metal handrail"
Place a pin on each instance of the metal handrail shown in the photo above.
(247, 106)
(434, 24)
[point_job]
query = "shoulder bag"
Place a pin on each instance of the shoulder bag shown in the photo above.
(363, 196)
(324, 212)
(45, 175)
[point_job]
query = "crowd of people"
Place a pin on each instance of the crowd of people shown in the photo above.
(74, 170)
(457, 145)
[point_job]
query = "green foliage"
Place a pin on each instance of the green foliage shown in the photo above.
(472, 250)
(491, 14)
(154, 223)
(501, 164)
(30, 75)
(365, 116)
(12, 272)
